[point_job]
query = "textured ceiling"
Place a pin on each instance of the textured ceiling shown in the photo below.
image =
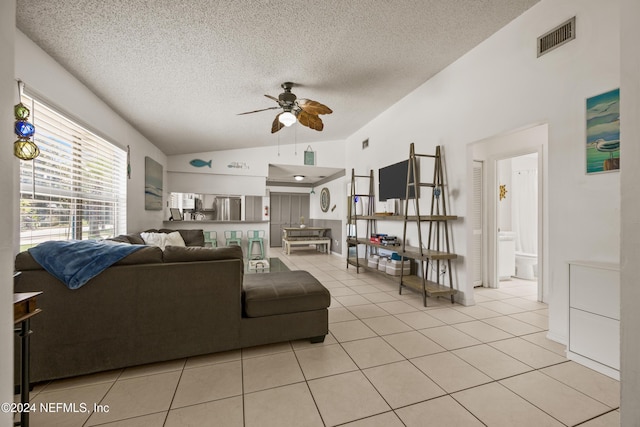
(180, 71)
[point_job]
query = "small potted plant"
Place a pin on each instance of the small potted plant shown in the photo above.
(302, 225)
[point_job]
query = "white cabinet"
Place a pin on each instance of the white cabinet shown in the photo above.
(594, 316)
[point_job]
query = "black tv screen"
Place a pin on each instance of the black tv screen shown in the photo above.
(392, 181)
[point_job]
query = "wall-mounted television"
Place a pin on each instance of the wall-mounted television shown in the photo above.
(392, 182)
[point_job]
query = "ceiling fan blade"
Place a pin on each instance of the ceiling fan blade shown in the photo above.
(276, 125)
(273, 97)
(311, 121)
(257, 111)
(314, 107)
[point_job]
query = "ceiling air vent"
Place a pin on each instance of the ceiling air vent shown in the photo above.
(560, 35)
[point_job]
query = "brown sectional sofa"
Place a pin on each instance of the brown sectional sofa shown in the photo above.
(155, 306)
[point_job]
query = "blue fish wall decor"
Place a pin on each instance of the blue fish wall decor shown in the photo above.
(200, 163)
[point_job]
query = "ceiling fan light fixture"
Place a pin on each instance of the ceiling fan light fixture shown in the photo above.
(287, 118)
(298, 177)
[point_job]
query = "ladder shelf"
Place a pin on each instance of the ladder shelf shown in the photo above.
(433, 255)
(437, 243)
(352, 240)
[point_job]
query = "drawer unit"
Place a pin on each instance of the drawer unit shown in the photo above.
(594, 316)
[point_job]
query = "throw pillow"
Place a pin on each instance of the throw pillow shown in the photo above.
(154, 239)
(174, 239)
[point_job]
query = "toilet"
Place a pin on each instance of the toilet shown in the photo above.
(526, 266)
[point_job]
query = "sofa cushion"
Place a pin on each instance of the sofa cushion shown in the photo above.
(190, 254)
(25, 262)
(268, 294)
(190, 237)
(134, 239)
(148, 255)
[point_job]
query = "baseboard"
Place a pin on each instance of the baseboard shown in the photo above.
(461, 298)
(560, 339)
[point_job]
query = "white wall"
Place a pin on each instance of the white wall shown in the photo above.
(8, 227)
(337, 198)
(501, 86)
(630, 176)
(49, 81)
(244, 171)
(255, 161)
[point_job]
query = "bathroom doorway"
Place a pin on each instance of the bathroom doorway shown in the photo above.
(517, 219)
(513, 168)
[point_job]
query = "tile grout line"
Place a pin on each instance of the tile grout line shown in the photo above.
(596, 417)
(573, 388)
(306, 382)
(105, 394)
(184, 364)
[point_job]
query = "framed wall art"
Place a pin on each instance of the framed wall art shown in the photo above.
(325, 199)
(309, 157)
(603, 132)
(152, 185)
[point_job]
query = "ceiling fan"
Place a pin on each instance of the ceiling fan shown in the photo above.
(306, 111)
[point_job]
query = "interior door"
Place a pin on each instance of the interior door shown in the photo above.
(276, 221)
(299, 209)
(286, 210)
(295, 213)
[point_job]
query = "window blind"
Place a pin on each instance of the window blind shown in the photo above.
(76, 188)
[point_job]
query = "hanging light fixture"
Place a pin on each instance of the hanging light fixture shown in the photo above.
(298, 177)
(287, 118)
(23, 148)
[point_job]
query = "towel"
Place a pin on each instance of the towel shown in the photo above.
(75, 262)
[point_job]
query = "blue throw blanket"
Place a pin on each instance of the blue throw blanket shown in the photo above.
(75, 262)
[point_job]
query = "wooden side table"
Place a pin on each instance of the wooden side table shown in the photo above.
(24, 308)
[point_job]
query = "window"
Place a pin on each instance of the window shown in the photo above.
(76, 188)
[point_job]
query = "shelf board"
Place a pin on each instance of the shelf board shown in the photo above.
(433, 289)
(364, 264)
(410, 218)
(409, 251)
(410, 281)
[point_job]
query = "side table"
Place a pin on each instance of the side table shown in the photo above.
(24, 308)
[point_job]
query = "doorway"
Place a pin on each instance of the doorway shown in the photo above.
(512, 182)
(517, 220)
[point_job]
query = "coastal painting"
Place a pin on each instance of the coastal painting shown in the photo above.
(603, 132)
(152, 185)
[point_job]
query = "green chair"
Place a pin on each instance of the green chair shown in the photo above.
(233, 238)
(255, 236)
(211, 238)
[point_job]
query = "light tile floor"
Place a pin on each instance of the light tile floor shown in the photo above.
(388, 361)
